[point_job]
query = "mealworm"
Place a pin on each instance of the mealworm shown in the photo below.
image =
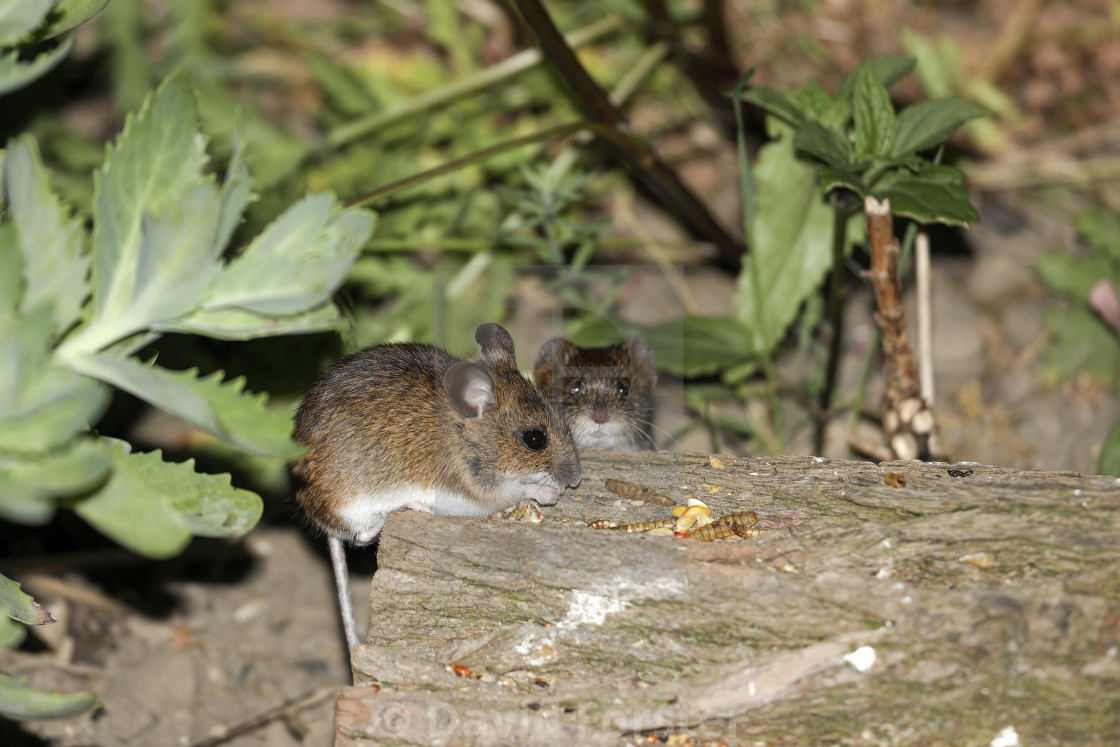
(634, 491)
(738, 518)
(645, 526)
(602, 524)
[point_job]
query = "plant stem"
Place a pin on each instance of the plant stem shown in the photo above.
(635, 153)
(840, 215)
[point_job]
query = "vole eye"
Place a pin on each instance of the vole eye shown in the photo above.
(623, 390)
(534, 439)
(575, 387)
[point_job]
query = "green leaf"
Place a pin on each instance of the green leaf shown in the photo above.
(12, 633)
(297, 263)
(1110, 453)
(793, 240)
(16, 73)
(42, 404)
(219, 408)
(20, 606)
(887, 69)
(157, 159)
(776, 103)
(812, 100)
(50, 241)
(929, 123)
(17, 700)
(1072, 276)
(30, 484)
(234, 324)
(700, 345)
(842, 178)
(935, 194)
(1101, 231)
(1081, 342)
(18, 18)
(826, 144)
(874, 115)
(69, 14)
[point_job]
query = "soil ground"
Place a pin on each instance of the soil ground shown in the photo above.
(182, 652)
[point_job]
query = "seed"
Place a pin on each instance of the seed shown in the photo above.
(637, 492)
(689, 517)
(715, 462)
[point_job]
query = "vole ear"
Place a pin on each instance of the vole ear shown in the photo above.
(550, 352)
(470, 389)
(640, 352)
(497, 345)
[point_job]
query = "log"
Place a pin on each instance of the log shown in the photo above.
(991, 600)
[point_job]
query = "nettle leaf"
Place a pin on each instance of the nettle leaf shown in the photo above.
(826, 144)
(887, 69)
(18, 18)
(17, 700)
(235, 324)
(50, 241)
(874, 115)
(219, 408)
(157, 159)
(929, 123)
(812, 100)
(16, 73)
(775, 102)
(851, 179)
(20, 606)
(793, 240)
(933, 194)
(153, 507)
(33, 482)
(297, 262)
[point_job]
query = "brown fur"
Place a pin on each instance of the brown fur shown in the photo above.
(599, 373)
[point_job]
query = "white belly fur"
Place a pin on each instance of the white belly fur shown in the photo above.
(366, 514)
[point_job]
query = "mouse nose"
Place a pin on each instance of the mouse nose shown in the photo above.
(600, 416)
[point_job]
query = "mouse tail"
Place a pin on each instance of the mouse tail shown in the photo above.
(342, 582)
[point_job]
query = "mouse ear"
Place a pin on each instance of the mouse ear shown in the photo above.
(470, 389)
(641, 352)
(497, 345)
(550, 352)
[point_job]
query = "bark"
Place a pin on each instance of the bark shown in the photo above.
(990, 600)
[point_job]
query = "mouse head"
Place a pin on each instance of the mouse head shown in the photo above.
(519, 447)
(605, 394)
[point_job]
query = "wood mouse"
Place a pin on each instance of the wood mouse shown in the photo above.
(406, 425)
(604, 394)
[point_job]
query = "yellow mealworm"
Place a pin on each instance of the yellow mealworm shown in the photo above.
(634, 491)
(603, 524)
(645, 526)
(738, 518)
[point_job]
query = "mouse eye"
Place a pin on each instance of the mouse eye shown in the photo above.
(534, 439)
(575, 386)
(623, 390)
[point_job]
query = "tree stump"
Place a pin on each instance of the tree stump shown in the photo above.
(990, 599)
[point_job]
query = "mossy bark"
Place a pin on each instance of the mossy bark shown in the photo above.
(991, 601)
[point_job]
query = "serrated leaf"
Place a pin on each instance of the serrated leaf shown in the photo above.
(157, 158)
(874, 115)
(30, 484)
(826, 144)
(16, 73)
(887, 69)
(1110, 453)
(18, 605)
(18, 18)
(934, 194)
(234, 324)
(1072, 276)
(50, 241)
(929, 123)
(219, 408)
(776, 103)
(297, 263)
(42, 404)
(792, 249)
(17, 700)
(1081, 342)
(69, 14)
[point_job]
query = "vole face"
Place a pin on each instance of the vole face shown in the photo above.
(605, 394)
